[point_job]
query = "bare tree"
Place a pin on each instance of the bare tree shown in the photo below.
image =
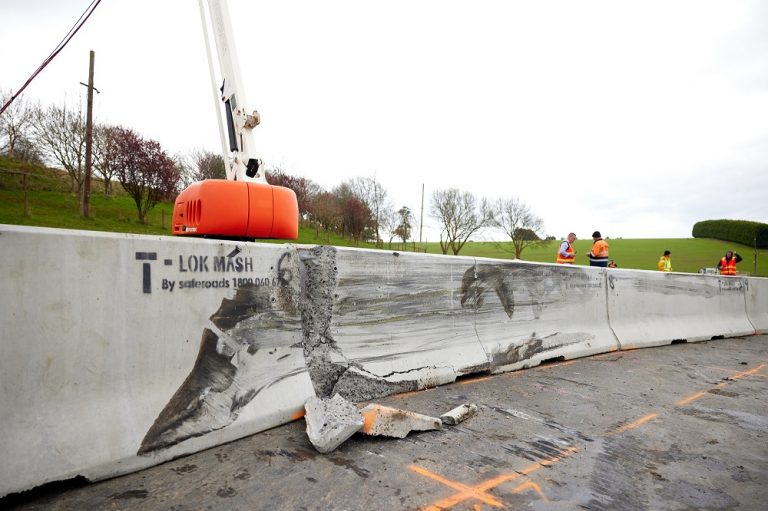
(356, 216)
(60, 131)
(104, 167)
(461, 216)
(146, 172)
(204, 164)
(326, 212)
(16, 126)
(305, 189)
(373, 194)
(519, 223)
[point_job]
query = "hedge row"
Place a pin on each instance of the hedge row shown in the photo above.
(738, 231)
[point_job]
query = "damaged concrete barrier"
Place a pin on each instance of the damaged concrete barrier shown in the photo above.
(119, 352)
(331, 421)
(459, 414)
(399, 322)
(649, 308)
(385, 421)
(527, 313)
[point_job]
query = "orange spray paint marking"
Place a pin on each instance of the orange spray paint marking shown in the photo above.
(690, 398)
(298, 415)
(532, 486)
(474, 380)
(633, 424)
(465, 492)
(468, 492)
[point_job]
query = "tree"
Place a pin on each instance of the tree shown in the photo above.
(460, 215)
(146, 172)
(326, 212)
(305, 189)
(16, 128)
(403, 229)
(101, 165)
(356, 217)
(203, 164)
(373, 194)
(60, 131)
(520, 224)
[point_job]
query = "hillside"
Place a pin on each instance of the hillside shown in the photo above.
(52, 204)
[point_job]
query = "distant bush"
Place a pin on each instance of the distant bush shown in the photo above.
(739, 231)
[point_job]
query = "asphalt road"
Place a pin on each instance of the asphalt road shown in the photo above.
(672, 428)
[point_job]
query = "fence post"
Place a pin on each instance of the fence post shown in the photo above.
(26, 196)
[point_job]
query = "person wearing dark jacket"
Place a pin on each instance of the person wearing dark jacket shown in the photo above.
(727, 265)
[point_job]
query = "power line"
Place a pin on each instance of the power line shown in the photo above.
(72, 31)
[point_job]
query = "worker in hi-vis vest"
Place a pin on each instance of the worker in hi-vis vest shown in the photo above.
(598, 256)
(727, 264)
(665, 262)
(566, 254)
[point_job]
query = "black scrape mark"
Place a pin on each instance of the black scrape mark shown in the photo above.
(293, 455)
(477, 280)
(311, 479)
(521, 352)
(349, 464)
(247, 302)
(186, 469)
(226, 492)
(242, 476)
(538, 450)
(212, 372)
(131, 494)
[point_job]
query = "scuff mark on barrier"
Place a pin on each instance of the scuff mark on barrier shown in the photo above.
(259, 328)
(267, 333)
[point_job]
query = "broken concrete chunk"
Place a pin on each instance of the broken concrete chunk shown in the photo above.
(459, 414)
(386, 421)
(331, 421)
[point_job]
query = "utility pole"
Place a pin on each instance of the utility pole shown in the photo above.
(88, 141)
(421, 220)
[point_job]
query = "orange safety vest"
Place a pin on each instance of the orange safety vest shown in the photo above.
(600, 249)
(566, 260)
(728, 267)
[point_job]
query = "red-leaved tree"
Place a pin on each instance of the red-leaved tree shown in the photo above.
(144, 169)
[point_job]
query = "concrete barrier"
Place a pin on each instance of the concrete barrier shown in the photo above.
(757, 304)
(526, 313)
(118, 352)
(398, 323)
(649, 308)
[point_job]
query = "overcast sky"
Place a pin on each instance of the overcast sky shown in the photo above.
(634, 118)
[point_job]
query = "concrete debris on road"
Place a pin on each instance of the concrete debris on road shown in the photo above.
(331, 421)
(385, 421)
(459, 414)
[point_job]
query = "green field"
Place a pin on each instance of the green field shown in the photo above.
(53, 205)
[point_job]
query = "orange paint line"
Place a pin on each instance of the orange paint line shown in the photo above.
(486, 485)
(747, 373)
(633, 424)
(690, 398)
(533, 486)
(298, 414)
(465, 492)
(474, 380)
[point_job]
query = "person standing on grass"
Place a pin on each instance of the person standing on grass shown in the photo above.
(727, 265)
(598, 256)
(665, 263)
(566, 254)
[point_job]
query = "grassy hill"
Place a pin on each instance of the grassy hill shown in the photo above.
(53, 205)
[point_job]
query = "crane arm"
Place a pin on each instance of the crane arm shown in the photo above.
(237, 144)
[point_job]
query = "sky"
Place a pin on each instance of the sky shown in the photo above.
(634, 118)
